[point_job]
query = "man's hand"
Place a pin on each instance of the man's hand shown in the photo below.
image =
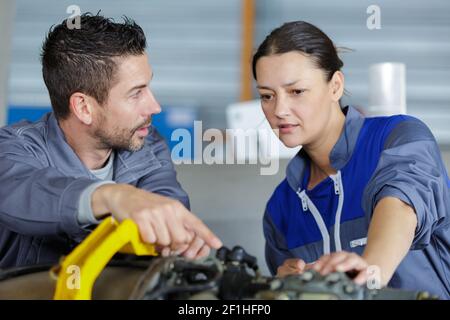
(197, 249)
(161, 220)
(343, 262)
(292, 266)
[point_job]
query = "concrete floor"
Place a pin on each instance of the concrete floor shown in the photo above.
(231, 200)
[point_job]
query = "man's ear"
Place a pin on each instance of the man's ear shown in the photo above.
(337, 83)
(81, 106)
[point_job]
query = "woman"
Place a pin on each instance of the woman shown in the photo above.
(363, 194)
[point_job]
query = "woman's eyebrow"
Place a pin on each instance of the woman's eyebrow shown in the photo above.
(264, 87)
(291, 83)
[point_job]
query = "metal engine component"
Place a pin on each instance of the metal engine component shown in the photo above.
(234, 275)
(231, 275)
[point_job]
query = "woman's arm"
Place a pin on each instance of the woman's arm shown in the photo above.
(407, 199)
(390, 236)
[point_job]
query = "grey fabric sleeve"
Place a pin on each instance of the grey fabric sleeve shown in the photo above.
(51, 205)
(275, 249)
(85, 214)
(411, 169)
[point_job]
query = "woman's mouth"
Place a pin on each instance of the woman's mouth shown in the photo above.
(287, 128)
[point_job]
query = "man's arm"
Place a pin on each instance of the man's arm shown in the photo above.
(160, 219)
(163, 182)
(39, 201)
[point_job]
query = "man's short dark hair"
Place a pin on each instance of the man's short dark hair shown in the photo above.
(85, 59)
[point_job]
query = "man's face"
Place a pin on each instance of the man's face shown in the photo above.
(123, 121)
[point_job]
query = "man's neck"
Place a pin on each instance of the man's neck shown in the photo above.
(84, 145)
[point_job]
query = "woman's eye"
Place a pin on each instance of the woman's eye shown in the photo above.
(265, 97)
(297, 92)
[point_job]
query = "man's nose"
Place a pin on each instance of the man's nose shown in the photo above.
(152, 106)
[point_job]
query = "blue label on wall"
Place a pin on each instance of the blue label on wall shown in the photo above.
(17, 113)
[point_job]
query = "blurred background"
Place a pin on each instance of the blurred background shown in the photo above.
(200, 51)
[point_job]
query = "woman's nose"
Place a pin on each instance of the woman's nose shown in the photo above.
(281, 108)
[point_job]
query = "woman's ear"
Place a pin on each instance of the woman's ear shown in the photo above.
(81, 106)
(337, 83)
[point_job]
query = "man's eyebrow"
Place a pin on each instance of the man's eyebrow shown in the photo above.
(136, 87)
(284, 85)
(140, 86)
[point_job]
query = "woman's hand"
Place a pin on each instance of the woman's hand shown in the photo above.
(293, 266)
(343, 262)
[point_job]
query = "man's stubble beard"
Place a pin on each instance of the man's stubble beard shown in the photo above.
(117, 138)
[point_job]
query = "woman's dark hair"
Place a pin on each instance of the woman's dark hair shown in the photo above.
(302, 37)
(84, 59)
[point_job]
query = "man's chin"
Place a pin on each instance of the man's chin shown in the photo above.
(136, 145)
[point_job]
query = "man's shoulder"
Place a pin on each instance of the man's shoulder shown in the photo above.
(24, 137)
(25, 131)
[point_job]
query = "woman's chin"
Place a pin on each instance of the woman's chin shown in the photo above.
(291, 143)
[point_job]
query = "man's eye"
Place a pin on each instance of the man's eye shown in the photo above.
(137, 94)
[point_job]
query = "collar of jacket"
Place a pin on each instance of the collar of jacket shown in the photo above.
(128, 166)
(340, 153)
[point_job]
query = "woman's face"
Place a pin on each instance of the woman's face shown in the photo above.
(295, 97)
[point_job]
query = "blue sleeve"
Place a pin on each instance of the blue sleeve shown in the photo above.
(411, 169)
(163, 180)
(275, 250)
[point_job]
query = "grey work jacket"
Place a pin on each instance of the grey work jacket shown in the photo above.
(41, 180)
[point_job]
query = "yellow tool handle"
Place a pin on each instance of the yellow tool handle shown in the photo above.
(79, 270)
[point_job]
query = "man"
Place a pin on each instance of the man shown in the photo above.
(94, 155)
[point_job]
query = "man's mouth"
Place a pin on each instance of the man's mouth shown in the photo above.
(143, 130)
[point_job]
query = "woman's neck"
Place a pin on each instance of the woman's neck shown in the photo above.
(319, 150)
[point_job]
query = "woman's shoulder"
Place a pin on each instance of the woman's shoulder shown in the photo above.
(282, 193)
(398, 129)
